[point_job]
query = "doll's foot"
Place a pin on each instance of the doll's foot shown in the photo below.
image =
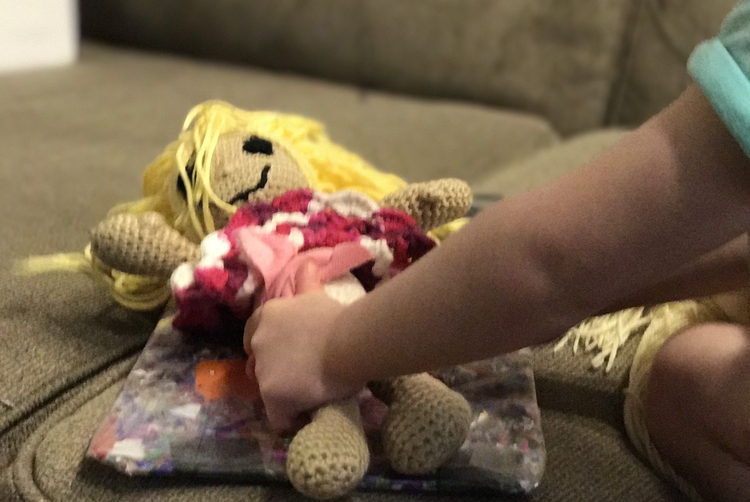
(329, 456)
(427, 422)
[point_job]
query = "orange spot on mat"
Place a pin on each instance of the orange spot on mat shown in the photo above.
(225, 378)
(105, 439)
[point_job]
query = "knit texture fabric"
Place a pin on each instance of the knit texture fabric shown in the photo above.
(426, 423)
(262, 174)
(329, 456)
(255, 258)
(432, 203)
(118, 241)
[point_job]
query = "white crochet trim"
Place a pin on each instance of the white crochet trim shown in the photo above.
(183, 277)
(344, 202)
(296, 237)
(213, 249)
(295, 218)
(382, 254)
(248, 287)
(345, 289)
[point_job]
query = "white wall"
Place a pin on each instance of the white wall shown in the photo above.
(37, 33)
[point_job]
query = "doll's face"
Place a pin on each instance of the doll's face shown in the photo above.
(247, 168)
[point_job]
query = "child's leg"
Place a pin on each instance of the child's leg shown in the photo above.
(698, 408)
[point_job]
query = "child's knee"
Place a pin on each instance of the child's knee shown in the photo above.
(673, 381)
(700, 380)
(694, 362)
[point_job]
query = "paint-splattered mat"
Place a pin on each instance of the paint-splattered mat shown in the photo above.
(188, 408)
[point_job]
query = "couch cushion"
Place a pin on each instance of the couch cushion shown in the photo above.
(558, 59)
(548, 164)
(654, 71)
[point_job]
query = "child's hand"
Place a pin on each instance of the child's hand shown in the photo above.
(286, 340)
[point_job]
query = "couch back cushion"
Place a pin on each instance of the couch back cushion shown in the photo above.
(663, 34)
(555, 58)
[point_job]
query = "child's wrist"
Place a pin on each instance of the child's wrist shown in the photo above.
(341, 360)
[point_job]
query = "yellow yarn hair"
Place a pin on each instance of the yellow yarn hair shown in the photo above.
(327, 166)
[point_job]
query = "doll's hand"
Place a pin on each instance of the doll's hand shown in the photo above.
(286, 341)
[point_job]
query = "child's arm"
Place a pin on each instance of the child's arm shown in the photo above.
(528, 268)
(524, 270)
(721, 270)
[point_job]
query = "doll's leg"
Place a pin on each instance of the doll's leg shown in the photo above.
(698, 408)
(329, 456)
(426, 423)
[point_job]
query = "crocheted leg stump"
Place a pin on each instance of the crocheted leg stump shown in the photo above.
(329, 456)
(141, 244)
(426, 424)
(432, 203)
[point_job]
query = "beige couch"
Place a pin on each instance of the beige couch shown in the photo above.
(507, 94)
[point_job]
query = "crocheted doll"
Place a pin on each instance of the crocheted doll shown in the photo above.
(259, 167)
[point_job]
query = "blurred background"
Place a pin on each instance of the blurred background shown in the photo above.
(37, 33)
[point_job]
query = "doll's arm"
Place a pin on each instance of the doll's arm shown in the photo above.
(432, 203)
(141, 244)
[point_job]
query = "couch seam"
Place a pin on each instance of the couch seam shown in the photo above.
(23, 473)
(623, 66)
(666, 35)
(45, 394)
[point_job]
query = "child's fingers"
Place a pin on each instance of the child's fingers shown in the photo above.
(250, 327)
(308, 278)
(250, 365)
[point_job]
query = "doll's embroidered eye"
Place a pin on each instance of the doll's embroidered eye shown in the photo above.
(189, 168)
(258, 145)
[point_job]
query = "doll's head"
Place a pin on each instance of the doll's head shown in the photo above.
(242, 167)
(226, 156)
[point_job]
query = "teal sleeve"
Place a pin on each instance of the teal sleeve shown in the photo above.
(721, 67)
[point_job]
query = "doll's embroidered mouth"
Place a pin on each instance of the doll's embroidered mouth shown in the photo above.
(243, 195)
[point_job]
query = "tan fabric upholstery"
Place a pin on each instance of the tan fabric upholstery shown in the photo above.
(662, 37)
(558, 59)
(548, 164)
